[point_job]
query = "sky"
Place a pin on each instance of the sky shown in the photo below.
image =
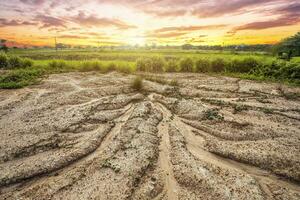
(147, 22)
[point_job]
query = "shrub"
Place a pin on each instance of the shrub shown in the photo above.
(19, 78)
(142, 64)
(3, 61)
(14, 62)
(218, 65)
(137, 84)
(111, 67)
(157, 64)
(171, 66)
(186, 65)
(174, 83)
(57, 64)
(212, 114)
(269, 69)
(202, 65)
(234, 65)
(248, 64)
(124, 69)
(26, 62)
(290, 71)
(153, 64)
(91, 66)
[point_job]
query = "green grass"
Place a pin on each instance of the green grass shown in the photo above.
(131, 55)
(20, 78)
(137, 83)
(26, 67)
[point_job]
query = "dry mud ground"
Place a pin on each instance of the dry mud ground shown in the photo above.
(90, 136)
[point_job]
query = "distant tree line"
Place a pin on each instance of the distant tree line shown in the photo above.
(243, 47)
(289, 47)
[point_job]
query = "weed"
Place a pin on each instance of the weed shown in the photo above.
(57, 64)
(26, 62)
(14, 62)
(218, 65)
(241, 99)
(107, 164)
(203, 65)
(262, 100)
(174, 83)
(215, 102)
(239, 108)
(137, 84)
(153, 64)
(19, 78)
(186, 65)
(3, 61)
(171, 66)
(212, 114)
(267, 110)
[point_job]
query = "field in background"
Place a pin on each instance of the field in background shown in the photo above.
(248, 65)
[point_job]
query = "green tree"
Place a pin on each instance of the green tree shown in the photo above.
(289, 47)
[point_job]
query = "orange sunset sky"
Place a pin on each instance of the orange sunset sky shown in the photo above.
(163, 22)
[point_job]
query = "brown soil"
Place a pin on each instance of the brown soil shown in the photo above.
(91, 136)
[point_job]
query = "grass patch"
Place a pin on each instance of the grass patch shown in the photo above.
(137, 83)
(239, 108)
(20, 78)
(251, 66)
(212, 114)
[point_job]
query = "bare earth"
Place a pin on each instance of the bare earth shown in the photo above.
(90, 136)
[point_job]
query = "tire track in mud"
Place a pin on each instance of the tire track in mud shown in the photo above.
(96, 145)
(195, 139)
(264, 176)
(195, 142)
(150, 151)
(171, 186)
(76, 167)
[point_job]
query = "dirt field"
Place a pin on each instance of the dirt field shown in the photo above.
(90, 136)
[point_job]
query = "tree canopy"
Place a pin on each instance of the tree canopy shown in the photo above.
(289, 46)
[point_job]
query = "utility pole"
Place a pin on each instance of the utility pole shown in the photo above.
(55, 44)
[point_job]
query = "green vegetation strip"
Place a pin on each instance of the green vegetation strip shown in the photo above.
(22, 70)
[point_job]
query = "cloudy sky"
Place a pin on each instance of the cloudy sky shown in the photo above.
(172, 22)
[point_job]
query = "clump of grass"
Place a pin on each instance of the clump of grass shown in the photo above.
(111, 67)
(174, 83)
(213, 114)
(137, 83)
(239, 108)
(245, 65)
(186, 65)
(26, 62)
(3, 61)
(108, 164)
(218, 65)
(91, 66)
(267, 110)
(57, 64)
(202, 65)
(215, 102)
(171, 66)
(20, 78)
(14, 62)
(125, 69)
(153, 64)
